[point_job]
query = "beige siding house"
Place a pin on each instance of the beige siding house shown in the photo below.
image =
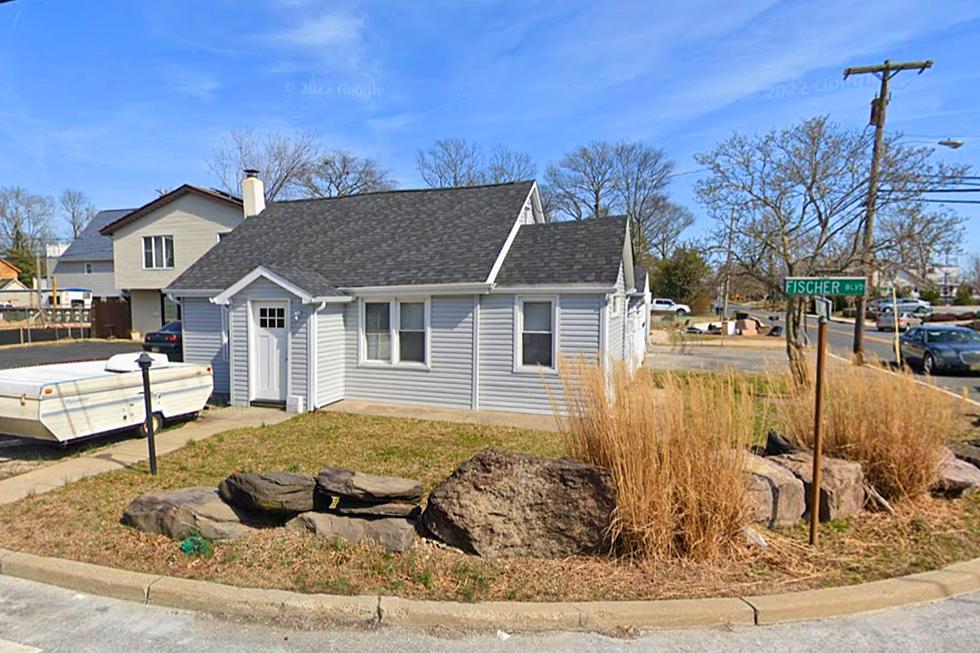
(154, 244)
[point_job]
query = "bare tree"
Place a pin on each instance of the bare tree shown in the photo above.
(507, 165)
(283, 160)
(583, 182)
(26, 214)
(972, 272)
(799, 196)
(663, 227)
(341, 172)
(640, 179)
(78, 209)
(451, 162)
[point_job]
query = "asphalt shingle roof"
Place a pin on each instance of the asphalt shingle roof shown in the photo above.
(90, 244)
(408, 237)
(578, 251)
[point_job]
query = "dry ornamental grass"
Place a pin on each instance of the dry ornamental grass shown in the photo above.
(894, 427)
(676, 453)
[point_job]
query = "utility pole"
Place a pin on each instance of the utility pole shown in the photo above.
(879, 107)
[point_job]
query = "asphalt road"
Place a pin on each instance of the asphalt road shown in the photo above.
(36, 617)
(70, 352)
(877, 344)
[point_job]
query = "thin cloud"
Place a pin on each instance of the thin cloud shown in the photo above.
(327, 30)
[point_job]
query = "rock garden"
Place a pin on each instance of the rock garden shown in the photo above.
(713, 506)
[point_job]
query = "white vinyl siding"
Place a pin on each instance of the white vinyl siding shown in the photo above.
(203, 339)
(330, 354)
(501, 388)
(616, 320)
(446, 381)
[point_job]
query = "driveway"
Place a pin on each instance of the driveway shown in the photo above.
(36, 617)
(70, 352)
(716, 358)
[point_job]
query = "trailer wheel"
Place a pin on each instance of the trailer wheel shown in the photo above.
(157, 425)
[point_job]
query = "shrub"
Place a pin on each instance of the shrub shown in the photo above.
(890, 424)
(676, 452)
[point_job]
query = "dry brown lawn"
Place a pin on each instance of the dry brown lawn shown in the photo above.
(81, 522)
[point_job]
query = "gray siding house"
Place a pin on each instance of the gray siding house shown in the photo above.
(461, 298)
(87, 263)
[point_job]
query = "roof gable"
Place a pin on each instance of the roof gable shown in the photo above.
(577, 251)
(8, 268)
(390, 238)
(165, 199)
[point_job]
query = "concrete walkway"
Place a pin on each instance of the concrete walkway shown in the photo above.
(130, 452)
(489, 417)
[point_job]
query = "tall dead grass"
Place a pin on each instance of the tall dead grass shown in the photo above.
(676, 452)
(890, 424)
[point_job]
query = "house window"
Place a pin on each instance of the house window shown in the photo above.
(377, 331)
(411, 332)
(158, 252)
(537, 337)
(88, 268)
(272, 317)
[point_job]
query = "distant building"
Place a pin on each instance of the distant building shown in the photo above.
(87, 262)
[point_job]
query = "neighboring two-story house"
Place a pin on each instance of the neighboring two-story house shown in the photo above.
(154, 244)
(87, 263)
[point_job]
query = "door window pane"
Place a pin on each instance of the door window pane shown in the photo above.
(377, 331)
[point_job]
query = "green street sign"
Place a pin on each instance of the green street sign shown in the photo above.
(826, 286)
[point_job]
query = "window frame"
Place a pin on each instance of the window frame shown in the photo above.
(88, 269)
(163, 252)
(394, 330)
(519, 366)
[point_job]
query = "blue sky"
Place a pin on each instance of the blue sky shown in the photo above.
(120, 98)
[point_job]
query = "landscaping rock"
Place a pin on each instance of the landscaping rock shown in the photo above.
(349, 484)
(275, 492)
(390, 509)
(841, 487)
(777, 445)
(775, 494)
(966, 451)
(393, 533)
(956, 477)
(499, 503)
(190, 511)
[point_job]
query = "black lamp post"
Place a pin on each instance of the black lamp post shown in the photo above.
(145, 361)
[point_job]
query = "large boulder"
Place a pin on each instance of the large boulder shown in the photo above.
(393, 533)
(499, 503)
(775, 494)
(388, 509)
(274, 492)
(188, 511)
(348, 484)
(967, 451)
(841, 486)
(956, 477)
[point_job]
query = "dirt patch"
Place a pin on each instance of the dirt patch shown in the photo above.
(81, 522)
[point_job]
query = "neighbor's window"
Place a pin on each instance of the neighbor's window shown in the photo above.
(377, 331)
(158, 252)
(411, 332)
(537, 334)
(88, 268)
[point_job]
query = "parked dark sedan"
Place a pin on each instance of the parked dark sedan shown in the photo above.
(168, 340)
(942, 348)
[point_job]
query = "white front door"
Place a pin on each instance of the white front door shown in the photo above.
(269, 357)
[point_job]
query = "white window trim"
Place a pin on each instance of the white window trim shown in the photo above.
(88, 269)
(173, 249)
(225, 333)
(519, 367)
(394, 307)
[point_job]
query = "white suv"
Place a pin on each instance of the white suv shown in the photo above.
(661, 305)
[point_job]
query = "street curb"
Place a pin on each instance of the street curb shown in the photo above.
(229, 600)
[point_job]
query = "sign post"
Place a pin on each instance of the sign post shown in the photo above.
(144, 361)
(820, 288)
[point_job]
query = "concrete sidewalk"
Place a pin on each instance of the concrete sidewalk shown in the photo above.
(130, 452)
(488, 417)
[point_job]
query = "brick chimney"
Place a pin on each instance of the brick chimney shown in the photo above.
(253, 193)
